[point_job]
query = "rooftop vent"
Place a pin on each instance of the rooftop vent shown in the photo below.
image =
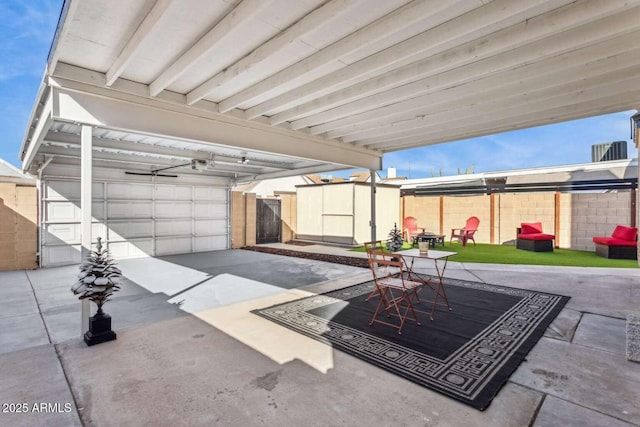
(609, 151)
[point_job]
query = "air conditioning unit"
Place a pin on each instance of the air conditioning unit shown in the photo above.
(609, 151)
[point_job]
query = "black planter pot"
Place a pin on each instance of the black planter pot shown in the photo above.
(99, 329)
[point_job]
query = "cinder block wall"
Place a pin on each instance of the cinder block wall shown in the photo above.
(426, 210)
(243, 219)
(514, 208)
(288, 214)
(578, 216)
(18, 226)
(584, 215)
(456, 210)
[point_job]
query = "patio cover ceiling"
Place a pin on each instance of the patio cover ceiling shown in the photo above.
(313, 85)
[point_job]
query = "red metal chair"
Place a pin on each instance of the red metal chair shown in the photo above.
(396, 292)
(371, 248)
(466, 233)
(411, 228)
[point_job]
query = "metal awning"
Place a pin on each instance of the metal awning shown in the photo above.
(310, 86)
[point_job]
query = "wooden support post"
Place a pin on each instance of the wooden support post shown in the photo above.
(556, 219)
(492, 218)
(441, 214)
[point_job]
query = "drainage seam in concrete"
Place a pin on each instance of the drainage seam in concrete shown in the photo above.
(55, 348)
(536, 412)
(35, 296)
(66, 378)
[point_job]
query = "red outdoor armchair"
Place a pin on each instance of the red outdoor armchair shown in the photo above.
(411, 228)
(466, 233)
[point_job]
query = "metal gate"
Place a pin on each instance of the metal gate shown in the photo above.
(269, 225)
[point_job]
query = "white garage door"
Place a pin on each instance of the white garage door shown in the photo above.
(135, 219)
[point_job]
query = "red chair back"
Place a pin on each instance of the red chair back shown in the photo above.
(410, 223)
(472, 223)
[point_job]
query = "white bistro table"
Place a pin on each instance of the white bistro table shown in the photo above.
(436, 256)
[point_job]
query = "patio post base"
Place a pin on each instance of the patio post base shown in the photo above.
(99, 330)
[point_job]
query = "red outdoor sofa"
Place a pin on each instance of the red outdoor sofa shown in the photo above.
(531, 238)
(621, 245)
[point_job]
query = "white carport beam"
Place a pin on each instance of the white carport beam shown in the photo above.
(133, 147)
(86, 169)
(43, 123)
(367, 36)
(479, 22)
(302, 171)
(244, 11)
(254, 59)
(218, 129)
(134, 43)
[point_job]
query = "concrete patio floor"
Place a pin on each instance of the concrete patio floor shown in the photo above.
(189, 352)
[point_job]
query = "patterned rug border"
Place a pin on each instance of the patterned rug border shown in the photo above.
(465, 375)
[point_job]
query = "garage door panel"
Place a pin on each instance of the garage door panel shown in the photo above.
(70, 190)
(70, 211)
(129, 210)
(210, 193)
(210, 210)
(210, 226)
(69, 233)
(173, 228)
(209, 243)
(122, 230)
(173, 210)
(61, 255)
(132, 248)
(173, 192)
(127, 191)
(173, 245)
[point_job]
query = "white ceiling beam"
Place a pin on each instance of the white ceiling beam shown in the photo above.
(492, 128)
(509, 47)
(318, 18)
(582, 62)
(366, 36)
(469, 127)
(139, 117)
(137, 39)
(247, 9)
(479, 22)
(530, 103)
(68, 139)
(140, 160)
(302, 171)
(494, 97)
(578, 45)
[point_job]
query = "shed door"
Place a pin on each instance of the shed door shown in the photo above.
(268, 227)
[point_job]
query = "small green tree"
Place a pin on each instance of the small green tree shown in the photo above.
(395, 240)
(99, 278)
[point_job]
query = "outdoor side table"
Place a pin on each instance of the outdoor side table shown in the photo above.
(438, 286)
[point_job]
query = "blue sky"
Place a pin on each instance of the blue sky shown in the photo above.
(27, 28)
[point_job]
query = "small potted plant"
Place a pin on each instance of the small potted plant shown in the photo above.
(98, 280)
(395, 240)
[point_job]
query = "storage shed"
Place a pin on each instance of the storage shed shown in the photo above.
(340, 212)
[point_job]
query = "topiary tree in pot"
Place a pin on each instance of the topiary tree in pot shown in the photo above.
(98, 280)
(395, 239)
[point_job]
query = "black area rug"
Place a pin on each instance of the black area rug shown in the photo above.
(467, 353)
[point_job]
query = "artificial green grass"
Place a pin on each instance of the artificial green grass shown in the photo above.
(507, 254)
